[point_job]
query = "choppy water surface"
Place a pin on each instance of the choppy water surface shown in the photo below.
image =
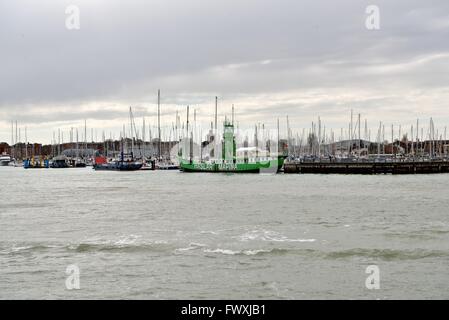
(172, 235)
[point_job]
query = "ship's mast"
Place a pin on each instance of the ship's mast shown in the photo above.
(278, 135)
(159, 122)
(143, 137)
(16, 140)
(256, 142)
(53, 143)
(417, 135)
(12, 139)
(26, 143)
(359, 129)
(188, 136)
(319, 138)
(392, 139)
(177, 125)
(216, 112)
(351, 129)
(288, 136)
(85, 137)
(131, 131)
(123, 138)
(213, 152)
(77, 146)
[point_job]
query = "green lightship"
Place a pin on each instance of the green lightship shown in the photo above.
(230, 162)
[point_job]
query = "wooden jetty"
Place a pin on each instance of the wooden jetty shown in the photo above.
(406, 167)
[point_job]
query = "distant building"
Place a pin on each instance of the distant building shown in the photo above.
(4, 148)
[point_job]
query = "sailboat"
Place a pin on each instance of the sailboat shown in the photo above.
(5, 160)
(127, 161)
(60, 162)
(166, 165)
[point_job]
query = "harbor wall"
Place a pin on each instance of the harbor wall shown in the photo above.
(410, 167)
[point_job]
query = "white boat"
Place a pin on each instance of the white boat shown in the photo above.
(15, 164)
(147, 166)
(166, 166)
(5, 160)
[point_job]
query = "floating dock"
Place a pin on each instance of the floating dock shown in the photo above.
(407, 167)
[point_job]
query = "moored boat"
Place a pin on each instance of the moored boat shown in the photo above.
(271, 165)
(123, 164)
(5, 160)
(232, 163)
(60, 162)
(36, 163)
(166, 166)
(148, 165)
(77, 163)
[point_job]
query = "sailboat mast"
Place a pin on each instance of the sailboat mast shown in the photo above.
(288, 136)
(187, 126)
(143, 137)
(123, 138)
(216, 112)
(187, 135)
(85, 138)
(319, 138)
(159, 122)
(417, 135)
(392, 139)
(131, 131)
(177, 125)
(359, 128)
(16, 133)
(351, 128)
(12, 139)
(256, 142)
(77, 145)
(26, 143)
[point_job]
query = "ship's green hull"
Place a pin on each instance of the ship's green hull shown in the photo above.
(271, 166)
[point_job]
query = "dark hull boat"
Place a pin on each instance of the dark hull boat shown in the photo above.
(77, 163)
(59, 164)
(119, 165)
(80, 165)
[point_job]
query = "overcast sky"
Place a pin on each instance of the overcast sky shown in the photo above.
(271, 58)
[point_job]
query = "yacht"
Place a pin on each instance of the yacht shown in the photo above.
(5, 159)
(125, 163)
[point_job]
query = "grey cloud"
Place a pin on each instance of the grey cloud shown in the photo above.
(194, 50)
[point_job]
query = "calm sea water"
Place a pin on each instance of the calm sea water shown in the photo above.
(172, 235)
